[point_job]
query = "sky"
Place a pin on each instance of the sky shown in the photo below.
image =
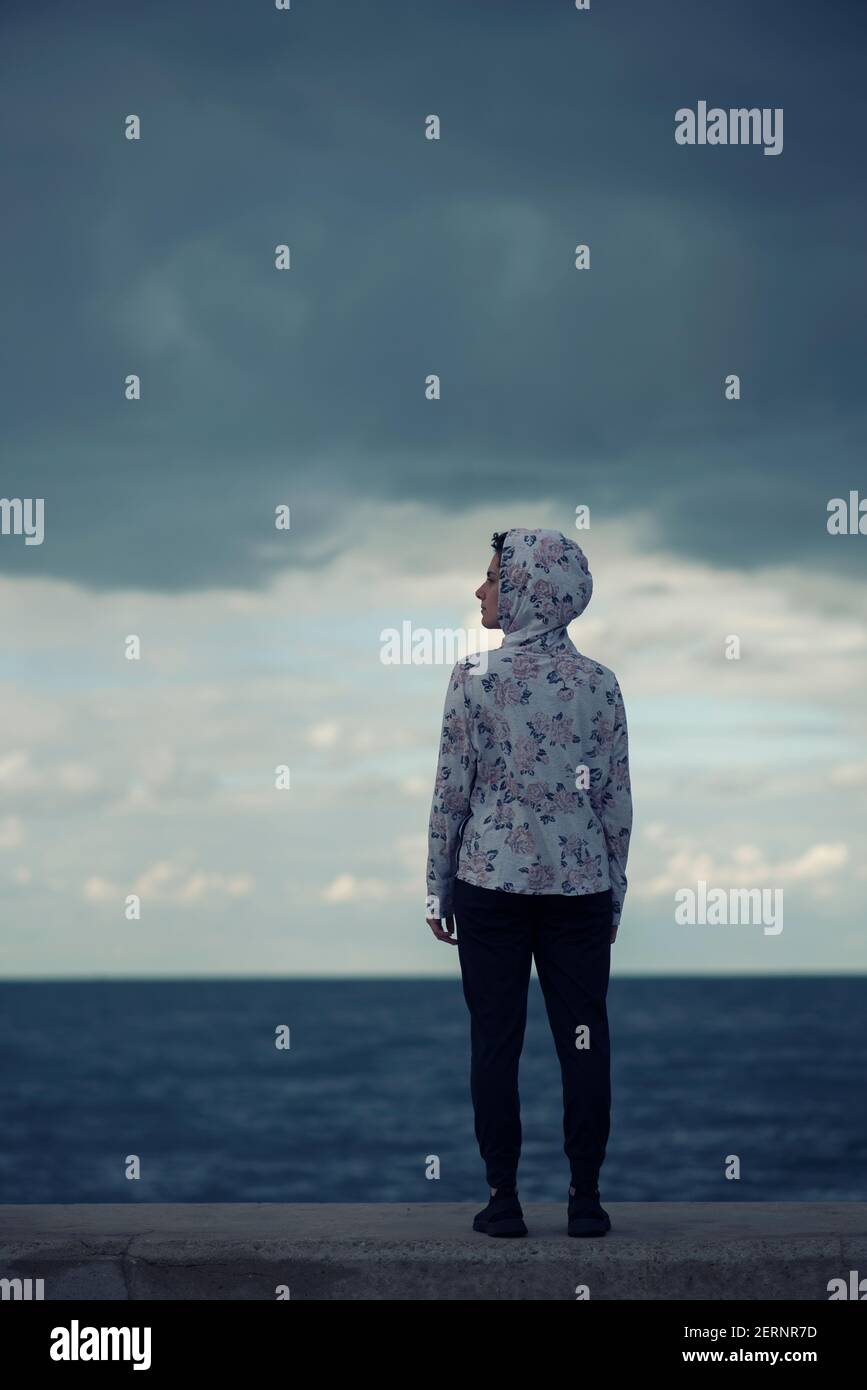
(305, 388)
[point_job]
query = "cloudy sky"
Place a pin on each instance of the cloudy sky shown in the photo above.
(305, 387)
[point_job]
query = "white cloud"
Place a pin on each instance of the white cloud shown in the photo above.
(740, 769)
(686, 862)
(852, 774)
(346, 888)
(323, 735)
(11, 835)
(170, 883)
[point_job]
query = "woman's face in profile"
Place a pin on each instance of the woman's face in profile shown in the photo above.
(488, 592)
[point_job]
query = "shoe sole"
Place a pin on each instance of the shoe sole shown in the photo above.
(509, 1226)
(587, 1226)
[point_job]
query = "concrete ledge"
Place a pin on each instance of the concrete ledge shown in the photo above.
(656, 1250)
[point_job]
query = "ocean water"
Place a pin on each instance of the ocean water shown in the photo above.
(185, 1074)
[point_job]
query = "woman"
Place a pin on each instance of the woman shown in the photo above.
(528, 840)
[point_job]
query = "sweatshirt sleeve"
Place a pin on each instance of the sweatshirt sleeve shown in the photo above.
(616, 807)
(455, 775)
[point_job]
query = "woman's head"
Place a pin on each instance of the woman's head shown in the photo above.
(488, 591)
(537, 581)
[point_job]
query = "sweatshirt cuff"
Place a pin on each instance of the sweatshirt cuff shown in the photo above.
(439, 904)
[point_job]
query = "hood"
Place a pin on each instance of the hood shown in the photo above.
(544, 583)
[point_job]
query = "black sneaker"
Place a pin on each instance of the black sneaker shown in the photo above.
(502, 1216)
(586, 1216)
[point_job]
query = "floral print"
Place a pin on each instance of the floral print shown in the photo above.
(532, 791)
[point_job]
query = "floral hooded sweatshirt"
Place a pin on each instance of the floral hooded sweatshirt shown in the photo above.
(532, 791)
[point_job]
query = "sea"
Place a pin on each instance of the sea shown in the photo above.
(724, 1089)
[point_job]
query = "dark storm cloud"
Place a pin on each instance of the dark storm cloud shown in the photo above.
(410, 257)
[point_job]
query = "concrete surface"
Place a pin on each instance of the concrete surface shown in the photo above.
(656, 1250)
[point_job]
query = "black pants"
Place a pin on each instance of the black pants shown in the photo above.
(499, 934)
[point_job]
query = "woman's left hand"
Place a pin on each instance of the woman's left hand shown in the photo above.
(436, 926)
